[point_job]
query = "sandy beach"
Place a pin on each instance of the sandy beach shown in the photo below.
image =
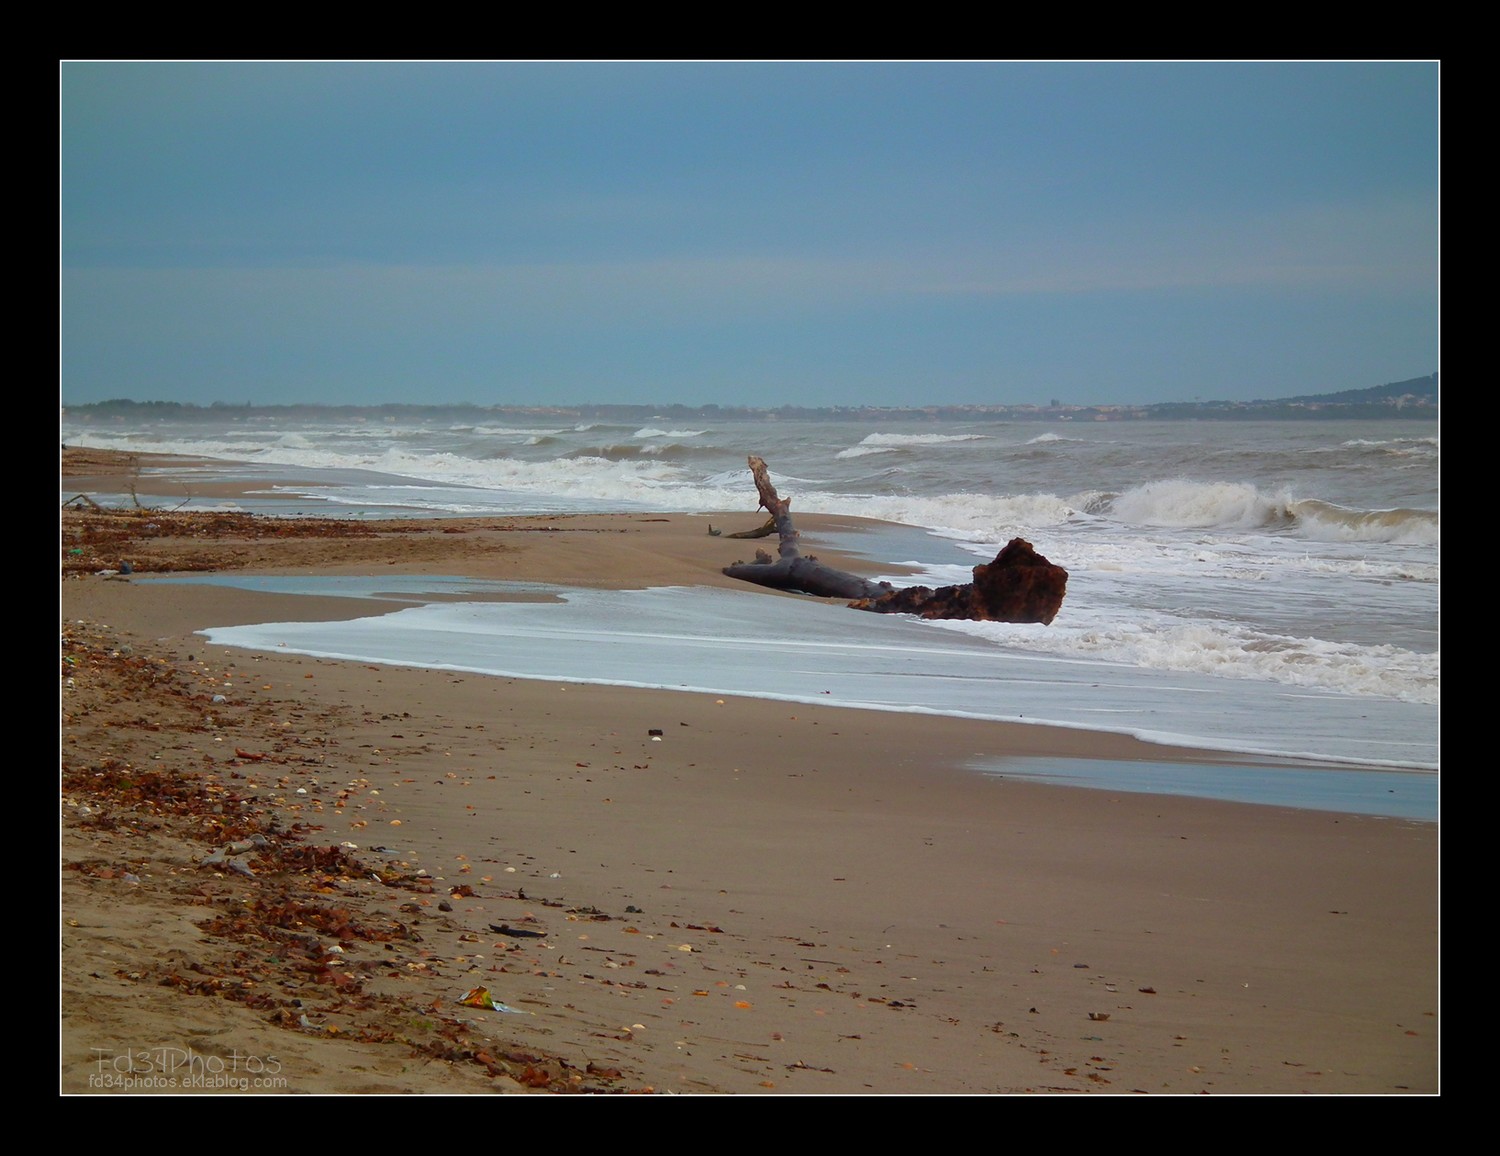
(658, 892)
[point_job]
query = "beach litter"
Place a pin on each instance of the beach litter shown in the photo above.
(516, 932)
(481, 997)
(232, 856)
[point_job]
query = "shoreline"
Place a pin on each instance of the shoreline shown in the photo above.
(771, 899)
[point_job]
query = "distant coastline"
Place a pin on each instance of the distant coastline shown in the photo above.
(1415, 399)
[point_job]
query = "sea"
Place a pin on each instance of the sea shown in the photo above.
(1267, 590)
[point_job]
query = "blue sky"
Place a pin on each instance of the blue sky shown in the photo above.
(745, 233)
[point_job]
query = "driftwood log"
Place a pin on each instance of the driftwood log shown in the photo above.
(1018, 586)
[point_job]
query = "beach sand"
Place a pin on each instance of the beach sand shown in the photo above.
(765, 898)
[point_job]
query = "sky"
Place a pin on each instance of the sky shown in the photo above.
(745, 233)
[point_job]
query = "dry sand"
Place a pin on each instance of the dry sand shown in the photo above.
(770, 899)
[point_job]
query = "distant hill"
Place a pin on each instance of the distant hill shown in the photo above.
(1416, 391)
(1415, 399)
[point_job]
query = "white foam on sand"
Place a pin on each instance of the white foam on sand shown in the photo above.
(752, 644)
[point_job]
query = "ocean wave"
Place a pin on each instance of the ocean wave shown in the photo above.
(974, 516)
(1327, 522)
(651, 432)
(1431, 443)
(1234, 505)
(613, 453)
(1183, 504)
(237, 448)
(1095, 502)
(1380, 453)
(922, 439)
(1049, 438)
(1226, 650)
(885, 443)
(626, 451)
(521, 433)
